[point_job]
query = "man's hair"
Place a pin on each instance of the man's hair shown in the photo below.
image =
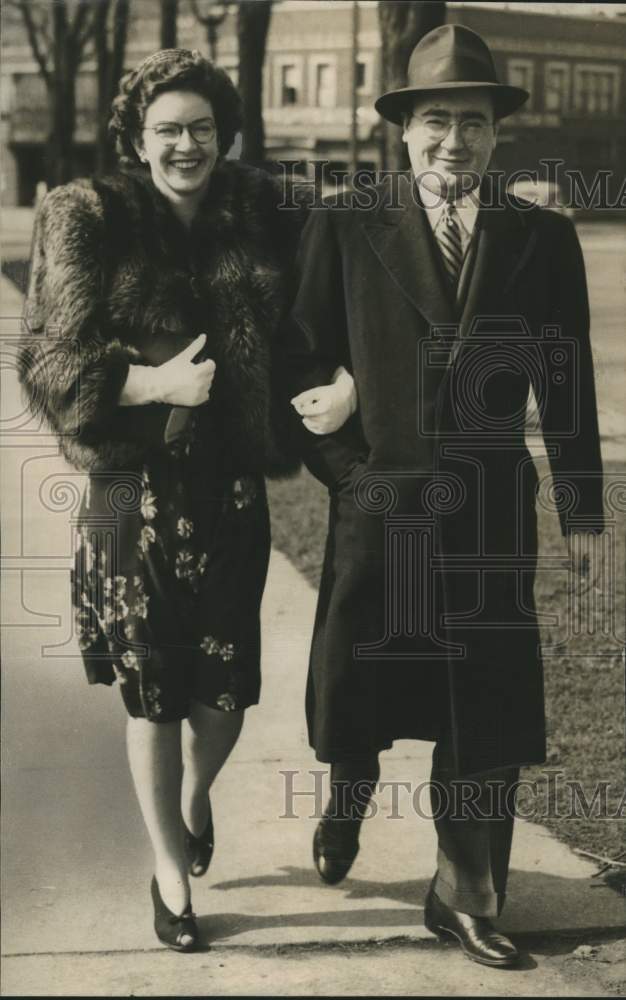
(407, 114)
(172, 69)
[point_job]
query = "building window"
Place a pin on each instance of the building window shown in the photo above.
(365, 73)
(322, 80)
(325, 86)
(557, 87)
(286, 72)
(596, 89)
(521, 73)
(288, 85)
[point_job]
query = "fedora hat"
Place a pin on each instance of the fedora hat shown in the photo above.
(450, 57)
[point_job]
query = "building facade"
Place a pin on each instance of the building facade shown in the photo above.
(573, 67)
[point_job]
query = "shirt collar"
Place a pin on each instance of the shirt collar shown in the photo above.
(467, 206)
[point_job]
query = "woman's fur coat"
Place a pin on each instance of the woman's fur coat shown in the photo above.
(116, 279)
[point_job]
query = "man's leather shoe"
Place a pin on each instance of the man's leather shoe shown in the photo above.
(335, 846)
(476, 935)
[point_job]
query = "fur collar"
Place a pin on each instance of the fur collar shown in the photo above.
(120, 266)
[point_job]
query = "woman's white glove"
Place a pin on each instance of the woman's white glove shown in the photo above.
(178, 381)
(327, 407)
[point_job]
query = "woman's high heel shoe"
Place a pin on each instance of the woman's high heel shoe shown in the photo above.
(177, 932)
(200, 849)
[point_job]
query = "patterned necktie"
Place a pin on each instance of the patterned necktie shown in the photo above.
(449, 238)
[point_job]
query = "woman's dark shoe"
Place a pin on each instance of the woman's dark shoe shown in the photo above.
(200, 849)
(335, 846)
(177, 932)
(476, 935)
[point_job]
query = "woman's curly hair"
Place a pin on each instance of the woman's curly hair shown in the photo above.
(172, 69)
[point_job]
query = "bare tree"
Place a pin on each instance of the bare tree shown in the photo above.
(110, 34)
(58, 35)
(169, 15)
(253, 19)
(402, 24)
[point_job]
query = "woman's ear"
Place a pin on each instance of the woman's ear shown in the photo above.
(139, 149)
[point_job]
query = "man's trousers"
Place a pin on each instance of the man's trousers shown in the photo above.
(474, 822)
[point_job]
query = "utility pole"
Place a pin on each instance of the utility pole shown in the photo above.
(354, 134)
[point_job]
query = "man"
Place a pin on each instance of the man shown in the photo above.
(446, 303)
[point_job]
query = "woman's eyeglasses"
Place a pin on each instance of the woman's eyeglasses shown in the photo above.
(168, 133)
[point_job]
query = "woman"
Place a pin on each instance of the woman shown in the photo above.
(158, 295)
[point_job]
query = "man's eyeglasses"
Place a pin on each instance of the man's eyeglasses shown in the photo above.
(168, 133)
(471, 129)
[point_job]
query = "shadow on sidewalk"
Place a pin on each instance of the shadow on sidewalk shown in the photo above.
(549, 906)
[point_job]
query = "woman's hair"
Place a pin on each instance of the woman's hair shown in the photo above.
(172, 69)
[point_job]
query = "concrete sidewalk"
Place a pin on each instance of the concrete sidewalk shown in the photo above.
(76, 861)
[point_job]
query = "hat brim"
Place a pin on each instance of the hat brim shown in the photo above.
(395, 103)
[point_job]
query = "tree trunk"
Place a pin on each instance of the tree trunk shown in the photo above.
(102, 80)
(62, 95)
(110, 66)
(169, 14)
(253, 18)
(59, 154)
(402, 24)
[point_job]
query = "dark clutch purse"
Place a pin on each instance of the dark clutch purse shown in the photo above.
(156, 424)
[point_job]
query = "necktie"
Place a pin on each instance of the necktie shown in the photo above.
(449, 238)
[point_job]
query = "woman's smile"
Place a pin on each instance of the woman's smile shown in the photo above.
(180, 165)
(185, 165)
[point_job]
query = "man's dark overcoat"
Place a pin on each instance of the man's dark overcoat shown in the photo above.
(426, 618)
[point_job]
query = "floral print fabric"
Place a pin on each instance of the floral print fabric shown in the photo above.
(167, 587)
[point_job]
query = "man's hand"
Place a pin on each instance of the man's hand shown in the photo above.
(327, 407)
(586, 558)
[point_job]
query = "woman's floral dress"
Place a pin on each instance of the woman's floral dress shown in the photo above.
(169, 573)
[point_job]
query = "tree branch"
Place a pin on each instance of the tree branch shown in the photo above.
(83, 26)
(31, 31)
(120, 32)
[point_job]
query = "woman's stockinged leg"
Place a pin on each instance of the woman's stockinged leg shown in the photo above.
(208, 736)
(154, 754)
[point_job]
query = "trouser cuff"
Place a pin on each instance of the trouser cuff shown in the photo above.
(478, 904)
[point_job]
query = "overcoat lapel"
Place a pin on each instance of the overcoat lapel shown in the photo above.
(504, 245)
(402, 240)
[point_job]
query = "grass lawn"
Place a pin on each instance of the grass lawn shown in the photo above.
(584, 683)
